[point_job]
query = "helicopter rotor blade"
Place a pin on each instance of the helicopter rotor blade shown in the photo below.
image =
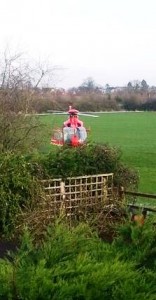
(54, 112)
(88, 115)
(57, 112)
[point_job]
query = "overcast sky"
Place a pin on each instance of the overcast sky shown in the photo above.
(112, 41)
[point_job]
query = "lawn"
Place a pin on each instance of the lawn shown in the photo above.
(133, 133)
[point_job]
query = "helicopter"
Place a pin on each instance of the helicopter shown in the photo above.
(73, 131)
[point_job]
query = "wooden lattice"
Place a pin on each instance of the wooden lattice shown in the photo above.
(79, 193)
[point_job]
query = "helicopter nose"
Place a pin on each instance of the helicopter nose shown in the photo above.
(74, 141)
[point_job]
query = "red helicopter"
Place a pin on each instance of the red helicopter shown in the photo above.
(73, 132)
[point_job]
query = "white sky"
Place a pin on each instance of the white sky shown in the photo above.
(112, 41)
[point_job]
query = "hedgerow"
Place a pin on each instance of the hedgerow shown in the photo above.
(19, 175)
(88, 160)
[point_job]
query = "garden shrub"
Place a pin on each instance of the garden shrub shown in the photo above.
(73, 264)
(19, 175)
(18, 188)
(89, 160)
(138, 244)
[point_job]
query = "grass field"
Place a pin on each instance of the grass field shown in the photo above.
(134, 133)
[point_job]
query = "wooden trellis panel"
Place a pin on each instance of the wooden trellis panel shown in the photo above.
(79, 192)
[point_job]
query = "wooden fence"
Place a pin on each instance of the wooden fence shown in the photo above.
(86, 193)
(82, 192)
(78, 198)
(139, 200)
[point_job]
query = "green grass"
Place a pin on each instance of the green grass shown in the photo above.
(133, 133)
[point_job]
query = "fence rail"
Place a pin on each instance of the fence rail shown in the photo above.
(123, 193)
(142, 195)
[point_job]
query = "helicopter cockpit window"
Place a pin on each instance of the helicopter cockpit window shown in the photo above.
(82, 134)
(68, 132)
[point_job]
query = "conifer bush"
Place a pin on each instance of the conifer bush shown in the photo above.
(73, 263)
(138, 244)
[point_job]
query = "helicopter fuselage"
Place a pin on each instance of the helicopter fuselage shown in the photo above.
(73, 132)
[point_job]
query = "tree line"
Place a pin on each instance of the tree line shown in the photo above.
(28, 87)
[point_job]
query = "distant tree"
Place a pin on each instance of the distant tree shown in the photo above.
(144, 85)
(134, 85)
(129, 86)
(149, 105)
(72, 91)
(107, 88)
(89, 86)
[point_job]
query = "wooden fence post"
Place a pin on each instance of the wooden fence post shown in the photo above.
(121, 193)
(62, 189)
(62, 205)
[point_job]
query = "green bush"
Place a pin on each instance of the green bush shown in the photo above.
(19, 175)
(18, 188)
(73, 264)
(88, 160)
(138, 244)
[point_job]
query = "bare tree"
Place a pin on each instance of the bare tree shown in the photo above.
(18, 81)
